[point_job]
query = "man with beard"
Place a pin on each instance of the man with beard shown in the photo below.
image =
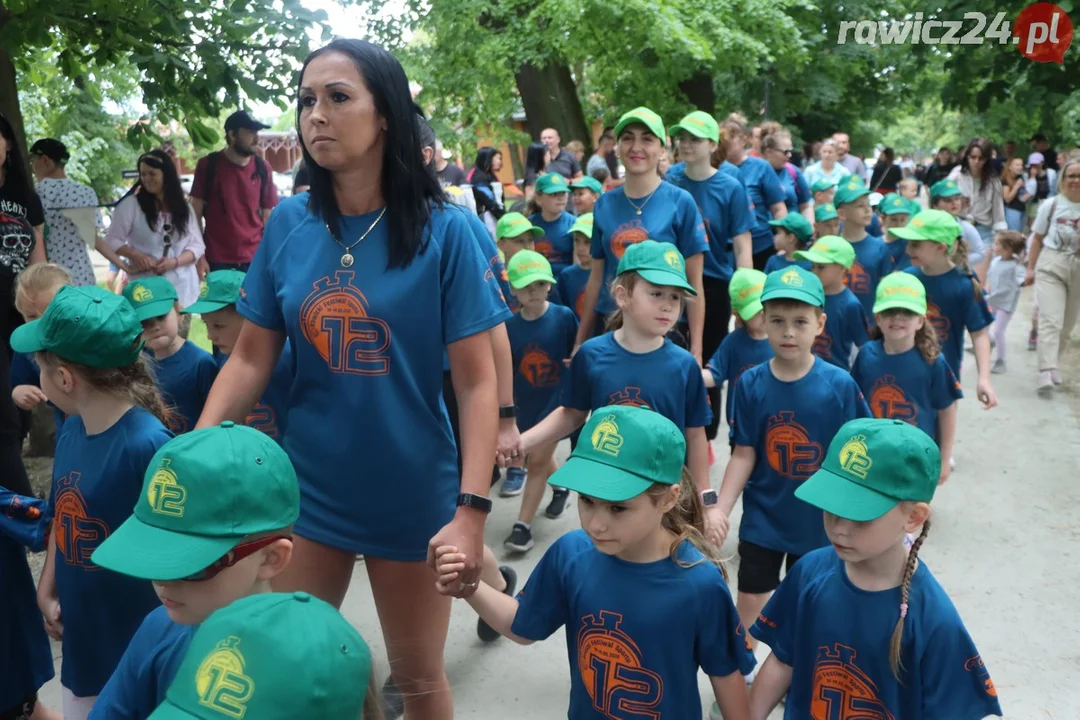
(232, 196)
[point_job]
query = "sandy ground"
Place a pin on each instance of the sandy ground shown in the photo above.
(1004, 544)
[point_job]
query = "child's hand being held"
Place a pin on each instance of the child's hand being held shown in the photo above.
(449, 563)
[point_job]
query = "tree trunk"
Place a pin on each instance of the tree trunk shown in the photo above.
(550, 98)
(9, 103)
(699, 90)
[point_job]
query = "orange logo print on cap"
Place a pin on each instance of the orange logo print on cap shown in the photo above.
(612, 670)
(842, 690)
(887, 400)
(335, 321)
(789, 449)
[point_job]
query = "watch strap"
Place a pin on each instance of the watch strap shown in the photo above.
(476, 502)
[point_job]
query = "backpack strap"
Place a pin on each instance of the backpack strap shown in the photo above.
(791, 171)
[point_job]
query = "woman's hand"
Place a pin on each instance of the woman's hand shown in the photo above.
(1029, 277)
(509, 442)
(465, 533)
(165, 265)
(139, 261)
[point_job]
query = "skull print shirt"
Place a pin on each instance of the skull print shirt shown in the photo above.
(17, 223)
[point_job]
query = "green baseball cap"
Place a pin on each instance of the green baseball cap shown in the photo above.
(588, 183)
(944, 189)
(513, 224)
(643, 116)
(745, 289)
(872, 466)
(822, 185)
(203, 493)
(85, 325)
(271, 656)
(151, 297)
(932, 225)
(826, 212)
(901, 291)
(794, 283)
(851, 189)
(583, 225)
(660, 263)
(797, 225)
(219, 289)
(893, 204)
(623, 450)
(829, 249)
(914, 208)
(551, 183)
(527, 267)
(699, 124)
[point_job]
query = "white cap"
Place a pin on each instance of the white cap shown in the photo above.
(875, 199)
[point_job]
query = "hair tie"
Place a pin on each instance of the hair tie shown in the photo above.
(903, 610)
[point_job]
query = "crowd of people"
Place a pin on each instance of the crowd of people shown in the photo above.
(391, 337)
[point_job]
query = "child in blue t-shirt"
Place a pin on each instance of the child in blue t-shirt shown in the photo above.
(514, 233)
(640, 591)
(895, 211)
(217, 506)
(572, 280)
(556, 243)
(746, 346)
(902, 372)
(88, 344)
(791, 233)
(872, 260)
(786, 412)
(863, 623)
(826, 221)
(541, 340)
(184, 371)
(845, 322)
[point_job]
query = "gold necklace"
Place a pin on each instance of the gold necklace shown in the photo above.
(637, 208)
(347, 257)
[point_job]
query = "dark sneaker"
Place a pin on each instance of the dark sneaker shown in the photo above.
(521, 539)
(514, 482)
(484, 631)
(557, 506)
(393, 705)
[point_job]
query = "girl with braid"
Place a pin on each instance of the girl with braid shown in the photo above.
(863, 621)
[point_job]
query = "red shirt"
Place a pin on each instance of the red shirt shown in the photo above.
(232, 216)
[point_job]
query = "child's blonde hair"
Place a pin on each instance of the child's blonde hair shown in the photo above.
(896, 645)
(926, 339)
(628, 281)
(960, 259)
(38, 278)
(134, 382)
(687, 521)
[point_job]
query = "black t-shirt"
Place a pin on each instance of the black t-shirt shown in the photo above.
(452, 175)
(17, 223)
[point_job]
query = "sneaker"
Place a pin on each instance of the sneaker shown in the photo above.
(514, 483)
(1033, 340)
(557, 506)
(521, 539)
(1045, 384)
(1055, 376)
(484, 631)
(393, 705)
(998, 368)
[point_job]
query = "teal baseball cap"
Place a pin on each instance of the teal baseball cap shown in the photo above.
(551, 183)
(85, 325)
(851, 189)
(659, 263)
(219, 289)
(151, 297)
(623, 450)
(794, 283)
(893, 204)
(826, 212)
(822, 185)
(797, 225)
(642, 116)
(271, 656)
(872, 466)
(944, 189)
(588, 183)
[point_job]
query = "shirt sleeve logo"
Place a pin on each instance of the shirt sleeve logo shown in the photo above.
(220, 681)
(606, 438)
(854, 457)
(336, 322)
(977, 666)
(165, 493)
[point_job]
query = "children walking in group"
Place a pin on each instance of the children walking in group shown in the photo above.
(89, 347)
(584, 192)
(895, 212)
(863, 617)
(514, 233)
(790, 234)
(826, 221)
(555, 242)
(1004, 278)
(872, 261)
(845, 322)
(572, 280)
(639, 589)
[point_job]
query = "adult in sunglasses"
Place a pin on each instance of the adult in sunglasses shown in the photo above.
(155, 232)
(776, 148)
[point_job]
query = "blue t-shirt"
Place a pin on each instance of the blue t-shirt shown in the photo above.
(952, 304)
(835, 637)
(667, 380)
(845, 328)
(184, 379)
(539, 347)
(556, 244)
(368, 431)
(636, 633)
(872, 262)
(737, 353)
(874, 228)
(25, 655)
(269, 414)
(898, 252)
(906, 387)
(571, 288)
(730, 169)
(146, 670)
(790, 426)
(25, 371)
(783, 262)
(670, 215)
(763, 187)
(97, 480)
(796, 189)
(725, 209)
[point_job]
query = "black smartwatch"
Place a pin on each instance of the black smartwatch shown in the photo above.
(709, 498)
(507, 411)
(476, 502)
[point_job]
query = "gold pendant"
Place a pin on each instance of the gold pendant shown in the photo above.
(347, 259)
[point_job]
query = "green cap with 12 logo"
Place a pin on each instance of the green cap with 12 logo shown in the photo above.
(220, 289)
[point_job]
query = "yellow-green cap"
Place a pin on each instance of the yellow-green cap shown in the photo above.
(85, 325)
(583, 225)
(551, 183)
(588, 183)
(219, 289)
(930, 225)
(851, 189)
(944, 189)
(794, 283)
(824, 213)
(797, 225)
(900, 291)
(642, 116)
(699, 124)
(513, 224)
(822, 185)
(527, 267)
(658, 263)
(151, 297)
(828, 250)
(745, 290)
(893, 204)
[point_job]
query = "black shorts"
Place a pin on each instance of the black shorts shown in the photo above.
(22, 711)
(759, 568)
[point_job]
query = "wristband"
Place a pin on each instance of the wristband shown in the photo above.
(476, 502)
(507, 412)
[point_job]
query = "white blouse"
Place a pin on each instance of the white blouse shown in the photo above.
(129, 227)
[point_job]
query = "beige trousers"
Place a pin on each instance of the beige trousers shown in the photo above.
(1057, 294)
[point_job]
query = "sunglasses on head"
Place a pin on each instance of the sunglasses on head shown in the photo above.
(167, 239)
(234, 556)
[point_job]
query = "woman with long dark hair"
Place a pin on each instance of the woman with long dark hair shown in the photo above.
(370, 277)
(537, 157)
(487, 189)
(984, 198)
(155, 230)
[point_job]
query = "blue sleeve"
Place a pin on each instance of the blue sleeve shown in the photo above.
(978, 314)
(802, 188)
(944, 387)
(563, 291)
(775, 625)
(887, 264)
(742, 414)
(24, 371)
(955, 681)
(741, 217)
(258, 301)
(718, 363)
(471, 300)
(860, 332)
(771, 189)
(856, 405)
(577, 394)
(698, 407)
(542, 603)
(720, 644)
(130, 692)
(596, 247)
(857, 372)
(496, 270)
(691, 229)
(571, 328)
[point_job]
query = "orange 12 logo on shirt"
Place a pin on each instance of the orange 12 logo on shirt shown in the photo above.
(629, 395)
(537, 367)
(335, 320)
(264, 419)
(823, 345)
(842, 691)
(77, 534)
(858, 279)
(887, 400)
(939, 321)
(613, 672)
(789, 449)
(626, 235)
